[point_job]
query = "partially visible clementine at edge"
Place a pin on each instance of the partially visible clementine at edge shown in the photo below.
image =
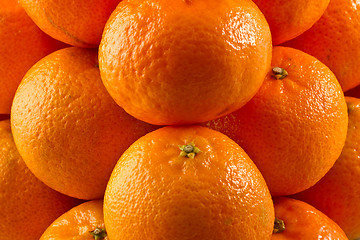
(78, 23)
(27, 205)
(83, 222)
(334, 40)
(337, 194)
(298, 220)
(22, 45)
(290, 18)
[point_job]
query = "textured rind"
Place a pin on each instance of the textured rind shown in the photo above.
(154, 193)
(167, 64)
(27, 205)
(78, 23)
(77, 223)
(294, 18)
(334, 40)
(22, 45)
(67, 128)
(293, 129)
(337, 194)
(303, 221)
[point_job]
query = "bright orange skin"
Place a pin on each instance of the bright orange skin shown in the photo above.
(66, 126)
(294, 128)
(337, 194)
(304, 222)
(22, 45)
(335, 40)
(290, 18)
(78, 23)
(181, 62)
(77, 223)
(154, 193)
(27, 205)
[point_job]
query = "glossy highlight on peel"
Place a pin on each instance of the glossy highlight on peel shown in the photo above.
(166, 64)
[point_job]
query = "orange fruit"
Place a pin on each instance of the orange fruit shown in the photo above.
(290, 18)
(337, 193)
(66, 126)
(22, 45)
(294, 128)
(181, 62)
(83, 222)
(334, 40)
(27, 205)
(78, 23)
(187, 183)
(300, 221)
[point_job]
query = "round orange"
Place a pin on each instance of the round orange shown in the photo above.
(66, 126)
(300, 221)
(22, 45)
(27, 205)
(78, 23)
(290, 18)
(83, 222)
(337, 194)
(294, 128)
(181, 62)
(334, 39)
(187, 183)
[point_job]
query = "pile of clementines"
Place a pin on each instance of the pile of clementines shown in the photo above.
(179, 119)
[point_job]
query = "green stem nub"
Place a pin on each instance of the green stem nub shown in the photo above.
(98, 233)
(279, 73)
(189, 150)
(279, 226)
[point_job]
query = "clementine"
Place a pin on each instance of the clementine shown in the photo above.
(78, 23)
(187, 183)
(294, 128)
(181, 62)
(290, 18)
(337, 194)
(66, 126)
(22, 45)
(334, 40)
(83, 222)
(298, 220)
(27, 205)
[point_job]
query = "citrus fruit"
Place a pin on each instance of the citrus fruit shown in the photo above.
(290, 18)
(78, 23)
(182, 62)
(298, 220)
(22, 45)
(27, 205)
(83, 222)
(334, 40)
(295, 126)
(337, 193)
(187, 183)
(66, 126)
